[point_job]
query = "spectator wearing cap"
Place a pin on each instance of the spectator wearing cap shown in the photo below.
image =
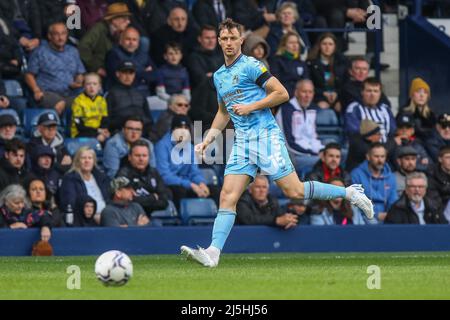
(439, 181)
(329, 166)
(48, 135)
(124, 100)
(117, 148)
(371, 108)
(405, 136)
(12, 164)
(298, 120)
(150, 191)
(130, 49)
(359, 144)
(440, 137)
(257, 207)
(419, 109)
(414, 207)
(8, 128)
(175, 160)
(43, 167)
(96, 43)
(122, 211)
(55, 71)
(407, 164)
(379, 183)
(178, 28)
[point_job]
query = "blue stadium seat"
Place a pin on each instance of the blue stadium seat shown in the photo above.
(328, 128)
(31, 117)
(73, 144)
(156, 114)
(198, 211)
(275, 191)
(326, 117)
(168, 217)
(210, 176)
(13, 88)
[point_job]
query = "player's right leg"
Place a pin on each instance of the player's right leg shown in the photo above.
(233, 187)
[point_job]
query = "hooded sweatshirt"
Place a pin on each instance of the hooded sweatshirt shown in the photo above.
(80, 219)
(381, 190)
(251, 42)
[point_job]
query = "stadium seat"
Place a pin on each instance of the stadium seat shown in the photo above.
(198, 211)
(31, 117)
(13, 88)
(327, 126)
(155, 103)
(168, 217)
(210, 176)
(326, 117)
(73, 144)
(275, 191)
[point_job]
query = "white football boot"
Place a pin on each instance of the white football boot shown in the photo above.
(199, 255)
(355, 194)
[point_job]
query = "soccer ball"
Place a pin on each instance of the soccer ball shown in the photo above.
(113, 268)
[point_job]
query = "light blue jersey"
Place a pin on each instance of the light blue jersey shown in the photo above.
(259, 143)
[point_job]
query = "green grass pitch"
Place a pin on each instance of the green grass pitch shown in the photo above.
(239, 276)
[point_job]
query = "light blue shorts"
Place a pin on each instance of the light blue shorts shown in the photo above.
(264, 150)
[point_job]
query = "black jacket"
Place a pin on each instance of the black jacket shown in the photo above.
(9, 49)
(289, 71)
(147, 184)
(358, 147)
(79, 219)
(124, 101)
(250, 213)
(402, 213)
(202, 61)
(318, 174)
(30, 217)
(247, 13)
(30, 11)
(51, 11)
(58, 147)
(438, 186)
(351, 91)
(205, 14)
(11, 175)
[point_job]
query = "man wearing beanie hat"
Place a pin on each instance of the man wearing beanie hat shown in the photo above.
(369, 132)
(175, 161)
(370, 108)
(440, 137)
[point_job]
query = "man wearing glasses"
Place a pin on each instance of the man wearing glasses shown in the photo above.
(117, 148)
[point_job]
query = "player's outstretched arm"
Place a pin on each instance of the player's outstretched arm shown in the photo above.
(276, 95)
(220, 122)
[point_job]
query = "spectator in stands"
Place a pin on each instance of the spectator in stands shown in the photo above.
(288, 20)
(178, 104)
(419, 109)
(329, 166)
(26, 18)
(371, 108)
(359, 143)
(131, 49)
(206, 58)
(150, 190)
(48, 135)
(84, 178)
(91, 11)
(173, 76)
(286, 64)
(177, 29)
(90, 112)
(84, 212)
(440, 137)
(42, 166)
(10, 50)
(100, 38)
(377, 179)
(124, 100)
(122, 211)
(177, 166)
(299, 208)
(414, 207)
(338, 211)
(8, 128)
(299, 126)
(257, 207)
(327, 68)
(12, 164)
(211, 12)
(4, 101)
(15, 215)
(439, 181)
(253, 16)
(55, 71)
(117, 148)
(407, 164)
(405, 136)
(15, 103)
(352, 89)
(256, 46)
(41, 198)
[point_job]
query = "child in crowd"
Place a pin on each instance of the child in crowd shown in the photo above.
(173, 76)
(90, 112)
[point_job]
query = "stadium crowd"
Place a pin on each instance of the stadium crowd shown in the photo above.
(94, 82)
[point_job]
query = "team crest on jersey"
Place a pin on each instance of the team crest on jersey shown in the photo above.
(300, 71)
(235, 79)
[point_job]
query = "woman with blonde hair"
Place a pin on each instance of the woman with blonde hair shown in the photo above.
(419, 109)
(287, 65)
(84, 178)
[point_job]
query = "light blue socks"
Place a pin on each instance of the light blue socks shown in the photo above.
(222, 227)
(322, 191)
